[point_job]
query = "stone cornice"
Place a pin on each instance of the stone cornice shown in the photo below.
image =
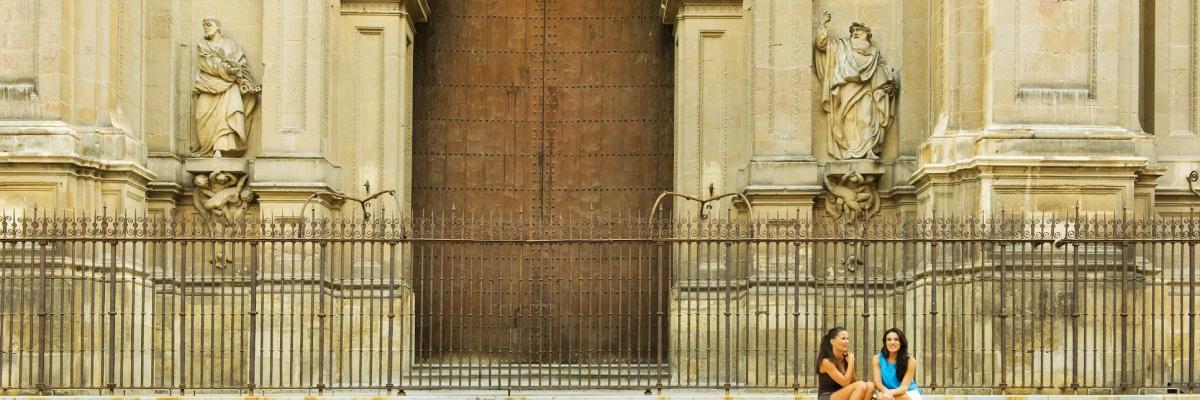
(416, 10)
(715, 8)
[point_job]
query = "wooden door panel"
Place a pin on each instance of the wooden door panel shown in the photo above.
(552, 110)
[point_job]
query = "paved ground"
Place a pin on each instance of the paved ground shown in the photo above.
(553, 395)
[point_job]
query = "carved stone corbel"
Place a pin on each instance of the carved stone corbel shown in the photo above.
(222, 193)
(852, 195)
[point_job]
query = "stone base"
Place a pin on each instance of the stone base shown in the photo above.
(1035, 172)
(783, 187)
(207, 165)
(783, 202)
(56, 167)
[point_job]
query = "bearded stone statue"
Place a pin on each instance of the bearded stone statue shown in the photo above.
(224, 95)
(857, 91)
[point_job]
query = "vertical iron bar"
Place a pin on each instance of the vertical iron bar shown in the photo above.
(795, 329)
(184, 262)
(41, 317)
(728, 303)
(391, 332)
(321, 314)
(861, 254)
(1003, 318)
(1075, 316)
(1125, 263)
(933, 312)
(253, 315)
(1192, 317)
(41, 381)
(660, 322)
(112, 315)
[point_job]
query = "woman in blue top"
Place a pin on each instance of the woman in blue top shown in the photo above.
(895, 372)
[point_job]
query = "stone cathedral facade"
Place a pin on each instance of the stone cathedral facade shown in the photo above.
(551, 110)
(1031, 107)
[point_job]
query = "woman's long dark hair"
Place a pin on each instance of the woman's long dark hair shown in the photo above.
(827, 348)
(901, 355)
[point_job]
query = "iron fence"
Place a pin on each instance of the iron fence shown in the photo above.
(1086, 303)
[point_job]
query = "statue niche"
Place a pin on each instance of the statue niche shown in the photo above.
(224, 95)
(858, 91)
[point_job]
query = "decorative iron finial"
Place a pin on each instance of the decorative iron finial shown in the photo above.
(1191, 179)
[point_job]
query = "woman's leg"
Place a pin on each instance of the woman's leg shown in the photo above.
(910, 395)
(852, 391)
(867, 390)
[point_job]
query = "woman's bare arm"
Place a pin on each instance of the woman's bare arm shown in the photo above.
(909, 374)
(878, 380)
(843, 379)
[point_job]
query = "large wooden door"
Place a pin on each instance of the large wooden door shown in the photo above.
(544, 110)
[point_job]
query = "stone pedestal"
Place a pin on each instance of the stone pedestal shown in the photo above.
(207, 165)
(57, 167)
(1047, 171)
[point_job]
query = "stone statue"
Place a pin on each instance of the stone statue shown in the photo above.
(853, 195)
(857, 91)
(224, 95)
(222, 195)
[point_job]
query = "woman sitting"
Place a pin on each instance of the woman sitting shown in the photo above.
(835, 369)
(895, 372)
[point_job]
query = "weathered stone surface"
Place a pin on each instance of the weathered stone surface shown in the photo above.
(1016, 107)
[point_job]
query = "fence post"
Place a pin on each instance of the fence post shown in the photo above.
(1125, 262)
(321, 319)
(728, 316)
(1075, 316)
(391, 334)
(1003, 315)
(933, 310)
(664, 278)
(112, 317)
(796, 317)
(1192, 318)
(184, 262)
(253, 315)
(42, 325)
(861, 254)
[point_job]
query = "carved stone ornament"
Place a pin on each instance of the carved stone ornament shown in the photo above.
(858, 91)
(222, 196)
(851, 196)
(224, 95)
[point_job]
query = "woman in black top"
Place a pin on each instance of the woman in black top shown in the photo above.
(835, 369)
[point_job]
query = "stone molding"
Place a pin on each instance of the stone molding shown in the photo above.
(417, 10)
(54, 142)
(700, 8)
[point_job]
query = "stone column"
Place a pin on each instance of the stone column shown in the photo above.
(70, 105)
(1172, 44)
(372, 100)
(1042, 119)
(293, 157)
(712, 145)
(711, 138)
(782, 174)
